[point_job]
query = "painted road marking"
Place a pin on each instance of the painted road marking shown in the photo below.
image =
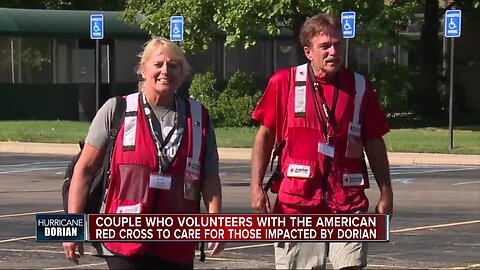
(33, 166)
(466, 183)
(17, 239)
(30, 213)
(76, 266)
(35, 163)
(32, 170)
(436, 226)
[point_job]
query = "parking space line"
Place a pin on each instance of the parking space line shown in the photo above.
(465, 183)
(35, 163)
(435, 226)
(37, 251)
(17, 239)
(30, 214)
(76, 266)
(434, 171)
(470, 266)
(32, 170)
(249, 246)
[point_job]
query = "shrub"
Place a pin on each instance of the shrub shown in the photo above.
(231, 106)
(393, 84)
(203, 88)
(238, 99)
(236, 111)
(241, 84)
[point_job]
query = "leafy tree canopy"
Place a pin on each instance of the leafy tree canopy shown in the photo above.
(65, 4)
(243, 21)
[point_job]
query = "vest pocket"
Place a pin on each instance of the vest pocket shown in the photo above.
(133, 182)
(300, 185)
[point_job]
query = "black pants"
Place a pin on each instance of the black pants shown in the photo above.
(143, 262)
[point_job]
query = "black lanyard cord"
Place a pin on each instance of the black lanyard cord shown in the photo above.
(151, 116)
(330, 114)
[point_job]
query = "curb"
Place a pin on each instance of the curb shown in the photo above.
(244, 154)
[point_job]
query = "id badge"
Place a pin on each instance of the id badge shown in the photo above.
(193, 166)
(327, 150)
(160, 181)
(191, 187)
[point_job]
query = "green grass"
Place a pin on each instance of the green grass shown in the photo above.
(428, 140)
(43, 131)
(235, 137)
(466, 140)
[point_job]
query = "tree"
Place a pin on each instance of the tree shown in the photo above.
(428, 98)
(241, 22)
(66, 4)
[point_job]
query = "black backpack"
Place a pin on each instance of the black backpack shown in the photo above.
(101, 178)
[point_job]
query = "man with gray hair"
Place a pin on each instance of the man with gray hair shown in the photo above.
(321, 117)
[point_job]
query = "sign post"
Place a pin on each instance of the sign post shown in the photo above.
(348, 19)
(453, 29)
(97, 33)
(176, 28)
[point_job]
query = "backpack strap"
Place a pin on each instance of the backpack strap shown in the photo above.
(117, 119)
(115, 125)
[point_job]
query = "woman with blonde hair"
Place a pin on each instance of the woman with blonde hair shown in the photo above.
(163, 161)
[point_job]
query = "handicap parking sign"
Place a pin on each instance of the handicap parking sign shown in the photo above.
(453, 23)
(96, 26)
(176, 28)
(348, 24)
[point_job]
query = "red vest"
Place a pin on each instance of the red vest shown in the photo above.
(135, 157)
(303, 189)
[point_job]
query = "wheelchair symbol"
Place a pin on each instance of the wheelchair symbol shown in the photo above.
(347, 26)
(451, 24)
(96, 28)
(175, 29)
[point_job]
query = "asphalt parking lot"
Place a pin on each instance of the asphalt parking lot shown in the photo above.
(436, 224)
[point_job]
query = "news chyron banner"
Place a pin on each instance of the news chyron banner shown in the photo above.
(61, 227)
(213, 227)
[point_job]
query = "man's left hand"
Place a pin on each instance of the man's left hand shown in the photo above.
(385, 204)
(216, 248)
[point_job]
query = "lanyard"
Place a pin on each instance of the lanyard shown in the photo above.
(329, 113)
(160, 143)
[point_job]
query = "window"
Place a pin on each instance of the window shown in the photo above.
(6, 75)
(32, 60)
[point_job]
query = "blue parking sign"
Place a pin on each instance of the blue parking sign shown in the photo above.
(96, 26)
(176, 28)
(453, 23)
(348, 24)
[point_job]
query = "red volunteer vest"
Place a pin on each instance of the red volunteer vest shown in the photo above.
(303, 161)
(135, 157)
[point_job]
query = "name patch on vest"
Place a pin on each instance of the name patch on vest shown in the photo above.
(191, 188)
(129, 209)
(353, 180)
(301, 171)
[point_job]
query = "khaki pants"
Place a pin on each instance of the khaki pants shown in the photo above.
(313, 255)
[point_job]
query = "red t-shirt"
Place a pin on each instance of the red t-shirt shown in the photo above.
(270, 110)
